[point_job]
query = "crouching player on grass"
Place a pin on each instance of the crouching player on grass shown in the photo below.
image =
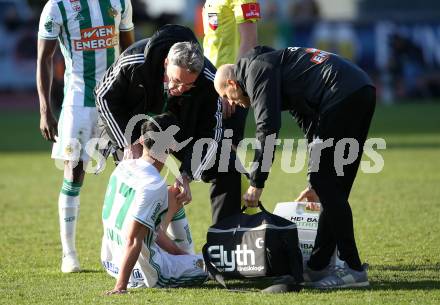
(138, 208)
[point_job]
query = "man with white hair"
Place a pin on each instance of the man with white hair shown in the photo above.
(168, 72)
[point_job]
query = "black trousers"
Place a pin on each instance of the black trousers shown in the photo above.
(237, 123)
(225, 191)
(225, 195)
(349, 119)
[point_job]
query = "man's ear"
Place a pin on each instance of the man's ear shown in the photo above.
(165, 63)
(232, 83)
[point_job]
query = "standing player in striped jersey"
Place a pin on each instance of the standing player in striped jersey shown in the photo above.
(91, 34)
(168, 72)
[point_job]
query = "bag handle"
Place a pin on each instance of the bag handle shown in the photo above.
(260, 205)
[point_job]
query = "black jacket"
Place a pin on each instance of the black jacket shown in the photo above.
(307, 82)
(134, 85)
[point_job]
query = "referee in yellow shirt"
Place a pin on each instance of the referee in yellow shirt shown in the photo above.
(230, 28)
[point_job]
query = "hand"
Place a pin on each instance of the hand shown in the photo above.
(173, 204)
(48, 126)
(182, 183)
(309, 195)
(252, 196)
(116, 291)
(133, 151)
(227, 109)
(313, 206)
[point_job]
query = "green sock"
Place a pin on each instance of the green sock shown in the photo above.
(70, 188)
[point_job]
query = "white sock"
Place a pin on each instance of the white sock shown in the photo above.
(68, 210)
(179, 231)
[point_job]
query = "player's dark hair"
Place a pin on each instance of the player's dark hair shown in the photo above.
(156, 124)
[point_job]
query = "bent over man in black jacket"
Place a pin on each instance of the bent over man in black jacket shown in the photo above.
(143, 81)
(331, 99)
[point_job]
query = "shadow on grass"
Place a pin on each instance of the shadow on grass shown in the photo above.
(426, 285)
(419, 267)
(236, 286)
(241, 286)
(398, 285)
(405, 285)
(90, 271)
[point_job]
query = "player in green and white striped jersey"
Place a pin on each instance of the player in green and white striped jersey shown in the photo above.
(91, 34)
(138, 209)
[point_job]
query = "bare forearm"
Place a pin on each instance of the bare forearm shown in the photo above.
(167, 244)
(46, 50)
(126, 39)
(245, 46)
(248, 38)
(132, 251)
(44, 82)
(166, 221)
(173, 207)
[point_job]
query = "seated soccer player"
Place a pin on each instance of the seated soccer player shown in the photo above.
(138, 208)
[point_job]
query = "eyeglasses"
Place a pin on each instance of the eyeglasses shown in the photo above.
(172, 83)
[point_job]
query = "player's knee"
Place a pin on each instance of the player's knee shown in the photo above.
(74, 170)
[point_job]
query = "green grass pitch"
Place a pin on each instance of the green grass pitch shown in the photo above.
(396, 216)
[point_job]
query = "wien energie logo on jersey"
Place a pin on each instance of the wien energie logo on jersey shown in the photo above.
(101, 37)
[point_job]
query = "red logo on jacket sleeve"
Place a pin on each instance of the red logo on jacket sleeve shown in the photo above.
(251, 10)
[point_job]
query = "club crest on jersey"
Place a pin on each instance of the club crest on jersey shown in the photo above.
(112, 12)
(68, 150)
(213, 21)
(199, 263)
(251, 11)
(48, 25)
(76, 5)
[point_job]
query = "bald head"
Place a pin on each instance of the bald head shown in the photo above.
(224, 73)
(227, 87)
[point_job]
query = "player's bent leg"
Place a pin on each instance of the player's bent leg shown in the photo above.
(156, 268)
(181, 270)
(180, 232)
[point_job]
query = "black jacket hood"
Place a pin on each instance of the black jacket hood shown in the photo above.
(166, 36)
(156, 50)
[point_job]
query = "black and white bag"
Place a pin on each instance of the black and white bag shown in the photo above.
(253, 246)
